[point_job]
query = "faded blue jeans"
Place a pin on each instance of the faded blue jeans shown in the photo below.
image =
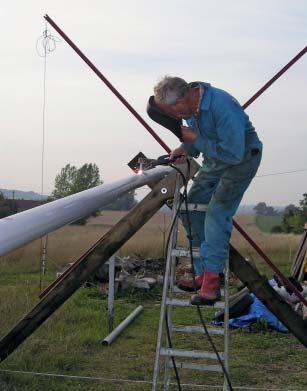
(222, 191)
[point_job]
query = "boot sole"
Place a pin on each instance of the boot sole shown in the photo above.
(198, 300)
(187, 288)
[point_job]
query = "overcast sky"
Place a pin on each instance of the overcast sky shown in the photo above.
(234, 45)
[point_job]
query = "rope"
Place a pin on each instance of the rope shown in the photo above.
(102, 379)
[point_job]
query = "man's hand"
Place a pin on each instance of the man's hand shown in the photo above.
(188, 134)
(179, 154)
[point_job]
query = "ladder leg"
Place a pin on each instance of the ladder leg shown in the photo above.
(111, 293)
(166, 283)
(226, 324)
(170, 308)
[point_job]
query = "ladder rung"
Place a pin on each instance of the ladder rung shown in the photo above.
(195, 207)
(197, 367)
(186, 303)
(178, 290)
(197, 330)
(184, 252)
(189, 353)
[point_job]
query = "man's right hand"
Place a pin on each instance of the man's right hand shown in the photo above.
(179, 154)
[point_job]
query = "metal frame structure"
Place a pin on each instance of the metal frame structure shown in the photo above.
(264, 256)
(16, 231)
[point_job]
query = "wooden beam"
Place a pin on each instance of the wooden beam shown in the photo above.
(260, 286)
(300, 256)
(88, 263)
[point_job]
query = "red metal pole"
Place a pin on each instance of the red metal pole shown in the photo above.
(168, 150)
(108, 84)
(282, 278)
(274, 78)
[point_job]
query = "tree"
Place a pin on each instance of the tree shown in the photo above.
(303, 205)
(290, 208)
(263, 209)
(5, 209)
(260, 208)
(295, 218)
(72, 180)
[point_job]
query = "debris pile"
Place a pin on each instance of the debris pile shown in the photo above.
(131, 272)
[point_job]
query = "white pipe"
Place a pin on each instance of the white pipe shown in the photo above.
(121, 327)
(22, 228)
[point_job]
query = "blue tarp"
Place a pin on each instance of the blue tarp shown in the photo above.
(256, 312)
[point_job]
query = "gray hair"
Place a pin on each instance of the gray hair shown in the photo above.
(169, 89)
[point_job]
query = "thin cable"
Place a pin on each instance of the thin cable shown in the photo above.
(45, 45)
(281, 173)
(103, 379)
(185, 198)
(172, 357)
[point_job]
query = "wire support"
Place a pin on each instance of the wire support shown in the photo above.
(46, 43)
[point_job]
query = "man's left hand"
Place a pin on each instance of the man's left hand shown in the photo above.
(188, 134)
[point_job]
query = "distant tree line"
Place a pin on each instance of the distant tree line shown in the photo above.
(263, 209)
(293, 217)
(7, 207)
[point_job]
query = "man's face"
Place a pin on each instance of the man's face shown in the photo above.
(180, 110)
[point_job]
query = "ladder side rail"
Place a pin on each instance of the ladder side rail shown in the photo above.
(165, 289)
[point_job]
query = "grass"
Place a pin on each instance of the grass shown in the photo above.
(266, 223)
(69, 342)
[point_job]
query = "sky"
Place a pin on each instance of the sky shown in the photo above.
(237, 46)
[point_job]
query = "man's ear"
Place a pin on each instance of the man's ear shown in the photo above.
(180, 100)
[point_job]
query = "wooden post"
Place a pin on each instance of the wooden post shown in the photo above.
(88, 263)
(297, 268)
(259, 285)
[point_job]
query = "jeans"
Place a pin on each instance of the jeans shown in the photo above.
(222, 191)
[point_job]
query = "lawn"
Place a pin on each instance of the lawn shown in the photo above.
(69, 342)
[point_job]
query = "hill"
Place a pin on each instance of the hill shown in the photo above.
(22, 195)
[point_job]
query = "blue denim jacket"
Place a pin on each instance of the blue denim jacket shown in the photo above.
(225, 135)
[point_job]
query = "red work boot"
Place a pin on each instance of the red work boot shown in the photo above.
(189, 285)
(210, 290)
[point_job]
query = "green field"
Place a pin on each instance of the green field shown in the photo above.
(266, 223)
(69, 342)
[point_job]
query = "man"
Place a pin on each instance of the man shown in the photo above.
(218, 128)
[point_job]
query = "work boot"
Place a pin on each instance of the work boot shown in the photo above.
(190, 285)
(210, 290)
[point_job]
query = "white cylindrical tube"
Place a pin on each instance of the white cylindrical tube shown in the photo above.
(22, 228)
(115, 333)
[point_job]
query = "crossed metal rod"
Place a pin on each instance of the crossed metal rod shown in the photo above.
(264, 256)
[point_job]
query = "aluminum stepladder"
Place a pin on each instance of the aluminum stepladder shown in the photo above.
(169, 301)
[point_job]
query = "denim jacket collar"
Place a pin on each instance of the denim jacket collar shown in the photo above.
(206, 99)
